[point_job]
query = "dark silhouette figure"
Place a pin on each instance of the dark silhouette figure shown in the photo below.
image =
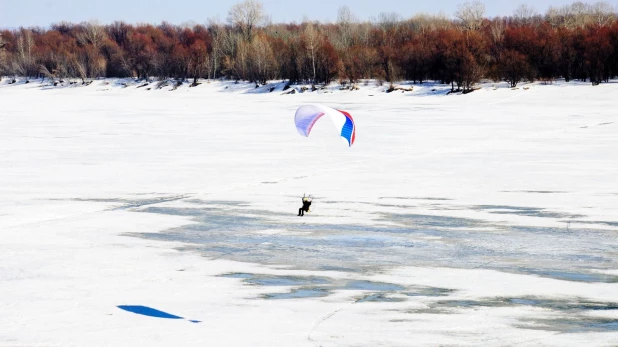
(305, 208)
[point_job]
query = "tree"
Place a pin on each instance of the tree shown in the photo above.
(358, 63)
(326, 65)
(471, 14)
(524, 14)
(2, 57)
(262, 64)
(119, 33)
(495, 47)
(597, 51)
(514, 67)
(424, 23)
(25, 64)
(578, 41)
(311, 41)
(602, 13)
(247, 16)
(345, 22)
(388, 21)
(473, 60)
(92, 33)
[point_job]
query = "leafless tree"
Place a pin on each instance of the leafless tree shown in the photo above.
(388, 21)
(345, 21)
(25, 63)
(602, 13)
(80, 70)
(92, 33)
(579, 14)
(45, 72)
(524, 14)
(216, 30)
(471, 14)
(311, 38)
(497, 28)
(262, 61)
(424, 22)
(247, 16)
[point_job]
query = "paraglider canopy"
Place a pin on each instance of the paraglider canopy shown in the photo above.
(307, 115)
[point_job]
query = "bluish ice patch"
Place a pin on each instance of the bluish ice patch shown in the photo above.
(506, 208)
(233, 231)
(540, 214)
(573, 276)
(573, 306)
(285, 281)
(301, 293)
(272, 280)
(525, 211)
(575, 325)
(217, 202)
(524, 302)
(237, 275)
(608, 223)
(428, 291)
(379, 298)
(600, 325)
(151, 312)
(420, 220)
(372, 286)
(311, 286)
(365, 241)
(336, 268)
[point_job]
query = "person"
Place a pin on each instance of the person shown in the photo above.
(306, 204)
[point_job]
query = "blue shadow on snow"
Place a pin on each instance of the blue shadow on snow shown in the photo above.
(151, 312)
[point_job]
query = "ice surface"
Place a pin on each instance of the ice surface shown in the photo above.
(480, 219)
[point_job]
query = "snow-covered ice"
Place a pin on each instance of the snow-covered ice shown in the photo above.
(137, 217)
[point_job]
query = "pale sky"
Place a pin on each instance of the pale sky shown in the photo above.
(16, 13)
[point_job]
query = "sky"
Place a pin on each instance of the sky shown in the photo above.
(27, 13)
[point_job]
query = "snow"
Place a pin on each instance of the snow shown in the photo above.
(481, 219)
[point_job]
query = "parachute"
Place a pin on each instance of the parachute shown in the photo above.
(307, 115)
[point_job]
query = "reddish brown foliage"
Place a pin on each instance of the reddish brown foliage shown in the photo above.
(503, 49)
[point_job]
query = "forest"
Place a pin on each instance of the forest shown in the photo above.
(571, 42)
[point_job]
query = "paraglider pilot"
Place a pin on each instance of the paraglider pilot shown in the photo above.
(306, 204)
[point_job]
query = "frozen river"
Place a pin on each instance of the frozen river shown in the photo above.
(480, 219)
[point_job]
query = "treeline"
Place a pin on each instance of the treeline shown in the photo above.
(574, 42)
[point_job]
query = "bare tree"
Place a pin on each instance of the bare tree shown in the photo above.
(25, 64)
(388, 21)
(580, 14)
(80, 69)
(345, 22)
(92, 33)
(345, 16)
(602, 13)
(524, 14)
(553, 16)
(424, 22)
(216, 31)
(311, 38)
(497, 28)
(262, 61)
(247, 16)
(471, 14)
